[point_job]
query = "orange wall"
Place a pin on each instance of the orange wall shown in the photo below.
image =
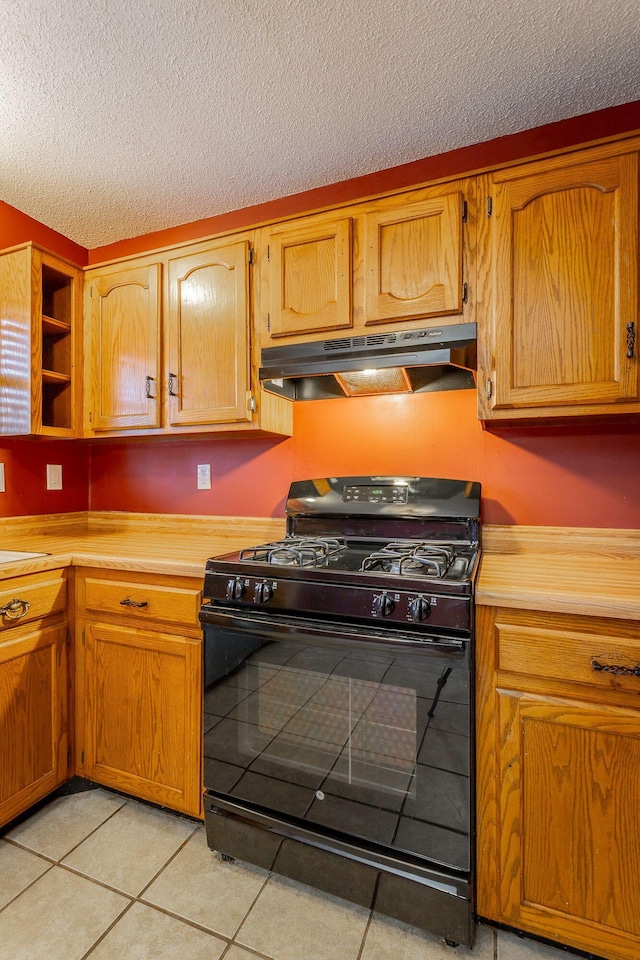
(25, 466)
(16, 227)
(571, 476)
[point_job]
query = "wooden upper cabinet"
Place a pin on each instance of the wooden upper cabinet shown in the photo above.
(562, 269)
(41, 310)
(309, 276)
(208, 359)
(413, 259)
(124, 346)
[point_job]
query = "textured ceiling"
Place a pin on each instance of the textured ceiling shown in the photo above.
(119, 117)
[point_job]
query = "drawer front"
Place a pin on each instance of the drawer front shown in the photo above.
(143, 601)
(23, 599)
(600, 657)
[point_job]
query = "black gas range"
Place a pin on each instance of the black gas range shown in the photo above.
(338, 696)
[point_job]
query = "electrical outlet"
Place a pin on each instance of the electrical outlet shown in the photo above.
(54, 476)
(2, 486)
(204, 476)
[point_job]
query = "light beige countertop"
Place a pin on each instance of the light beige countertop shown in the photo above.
(149, 543)
(594, 572)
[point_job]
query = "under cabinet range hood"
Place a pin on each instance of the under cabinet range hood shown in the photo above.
(404, 361)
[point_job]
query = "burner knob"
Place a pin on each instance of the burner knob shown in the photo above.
(383, 605)
(235, 588)
(262, 592)
(419, 609)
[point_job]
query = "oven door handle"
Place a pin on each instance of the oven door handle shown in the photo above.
(334, 632)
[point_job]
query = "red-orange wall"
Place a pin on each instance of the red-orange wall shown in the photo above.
(573, 475)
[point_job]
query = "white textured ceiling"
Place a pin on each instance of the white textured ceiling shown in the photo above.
(119, 117)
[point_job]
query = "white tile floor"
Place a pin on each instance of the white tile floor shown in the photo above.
(95, 875)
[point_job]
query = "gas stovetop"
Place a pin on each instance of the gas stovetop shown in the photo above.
(400, 551)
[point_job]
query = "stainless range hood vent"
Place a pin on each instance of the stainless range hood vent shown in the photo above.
(404, 361)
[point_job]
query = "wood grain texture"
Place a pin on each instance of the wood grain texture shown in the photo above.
(558, 792)
(135, 600)
(15, 341)
(33, 713)
(563, 272)
(413, 260)
(208, 337)
(123, 344)
(40, 595)
(310, 276)
(142, 714)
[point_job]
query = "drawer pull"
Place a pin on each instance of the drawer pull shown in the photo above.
(128, 602)
(618, 668)
(16, 609)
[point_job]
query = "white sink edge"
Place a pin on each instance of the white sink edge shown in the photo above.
(10, 556)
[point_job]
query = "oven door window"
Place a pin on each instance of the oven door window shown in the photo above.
(348, 738)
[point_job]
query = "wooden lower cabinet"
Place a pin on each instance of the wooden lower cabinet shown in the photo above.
(141, 713)
(34, 734)
(558, 778)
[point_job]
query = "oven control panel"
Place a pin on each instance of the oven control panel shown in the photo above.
(382, 493)
(420, 609)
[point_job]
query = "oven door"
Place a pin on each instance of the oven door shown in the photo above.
(343, 732)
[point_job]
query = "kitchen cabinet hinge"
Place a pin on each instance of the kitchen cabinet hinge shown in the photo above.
(90, 416)
(268, 321)
(465, 292)
(91, 291)
(83, 638)
(489, 207)
(489, 388)
(252, 256)
(268, 253)
(253, 406)
(465, 211)
(82, 757)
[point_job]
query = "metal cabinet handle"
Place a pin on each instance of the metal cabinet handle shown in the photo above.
(619, 669)
(14, 610)
(172, 377)
(147, 387)
(631, 340)
(128, 602)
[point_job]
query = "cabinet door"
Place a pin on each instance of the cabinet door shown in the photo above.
(413, 260)
(564, 273)
(124, 309)
(570, 836)
(34, 739)
(142, 714)
(208, 376)
(310, 277)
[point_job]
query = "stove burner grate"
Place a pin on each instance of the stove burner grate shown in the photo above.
(406, 557)
(295, 551)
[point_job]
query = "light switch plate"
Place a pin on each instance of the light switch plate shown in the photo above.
(204, 476)
(54, 476)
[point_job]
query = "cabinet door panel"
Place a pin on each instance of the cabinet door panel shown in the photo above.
(310, 277)
(33, 707)
(208, 327)
(125, 344)
(413, 260)
(569, 839)
(564, 255)
(142, 714)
